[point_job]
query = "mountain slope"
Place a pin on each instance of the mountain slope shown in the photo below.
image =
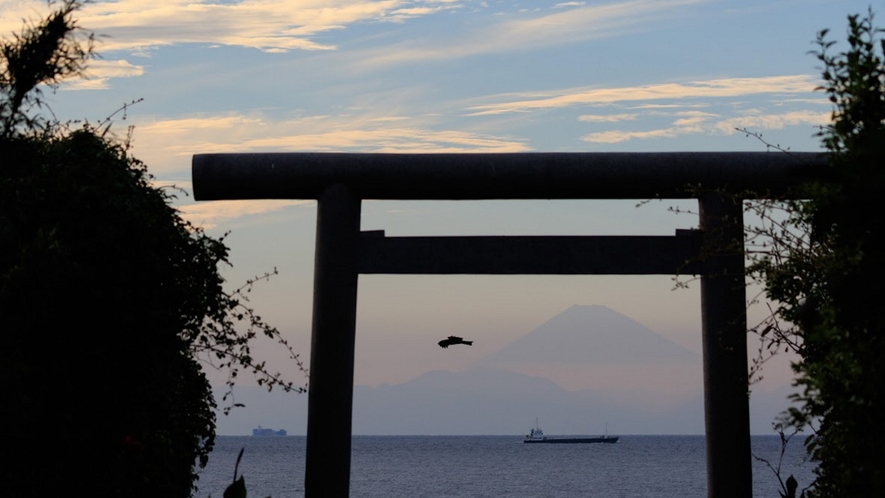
(592, 335)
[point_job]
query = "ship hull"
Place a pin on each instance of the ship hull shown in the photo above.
(261, 432)
(573, 440)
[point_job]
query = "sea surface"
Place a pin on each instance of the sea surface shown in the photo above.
(497, 466)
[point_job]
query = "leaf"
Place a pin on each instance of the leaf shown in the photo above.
(237, 489)
(792, 485)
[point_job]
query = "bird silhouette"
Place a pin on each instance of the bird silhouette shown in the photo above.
(453, 340)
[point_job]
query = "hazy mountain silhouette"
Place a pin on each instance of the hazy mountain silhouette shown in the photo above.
(595, 347)
(592, 335)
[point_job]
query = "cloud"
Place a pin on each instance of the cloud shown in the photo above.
(716, 88)
(681, 105)
(404, 14)
(210, 214)
(98, 72)
(86, 84)
(607, 118)
(615, 136)
(692, 121)
(574, 25)
(113, 69)
(804, 101)
(773, 121)
(680, 102)
(689, 122)
(315, 133)
(270, 25)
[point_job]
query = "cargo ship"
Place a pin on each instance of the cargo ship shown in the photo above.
(261, 431)
(536, 435)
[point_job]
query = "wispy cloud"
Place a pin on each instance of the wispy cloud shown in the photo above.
(607, 118)
(316, 133)
(615, 136)
(716, 88)
(532, 31)
(681, 105)
(274, 26)
(692, 122)
(100, 71)
(404, 14)
(765, 121)
(210, 214)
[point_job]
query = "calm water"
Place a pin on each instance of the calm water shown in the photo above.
(493, 466)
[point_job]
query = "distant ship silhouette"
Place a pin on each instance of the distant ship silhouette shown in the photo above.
(260, 431)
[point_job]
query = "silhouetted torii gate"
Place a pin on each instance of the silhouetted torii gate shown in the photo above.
(719, 181)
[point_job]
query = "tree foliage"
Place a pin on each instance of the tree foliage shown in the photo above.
(107, 297)
(822, 261)
(44, 53)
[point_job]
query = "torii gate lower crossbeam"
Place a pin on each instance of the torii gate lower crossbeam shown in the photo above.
(343, 252)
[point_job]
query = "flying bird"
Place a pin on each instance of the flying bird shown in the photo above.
(453, 340)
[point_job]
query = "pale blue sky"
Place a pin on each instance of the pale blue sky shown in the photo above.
(448, 75)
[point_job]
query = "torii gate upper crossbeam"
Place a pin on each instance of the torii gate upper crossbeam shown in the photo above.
(720, 181)
(563, 175)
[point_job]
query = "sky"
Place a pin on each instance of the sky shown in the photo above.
(448, 76)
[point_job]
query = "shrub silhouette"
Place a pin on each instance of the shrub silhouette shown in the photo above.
(107, 296)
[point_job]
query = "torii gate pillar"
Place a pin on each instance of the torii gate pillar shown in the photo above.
(330, 396)
(724, 329)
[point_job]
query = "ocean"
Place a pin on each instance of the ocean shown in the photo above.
(496, 466)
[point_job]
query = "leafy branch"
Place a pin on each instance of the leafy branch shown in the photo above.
(45, 53)
(219, 340)
(790, 486)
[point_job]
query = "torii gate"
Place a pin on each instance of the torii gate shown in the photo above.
(339, 182)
